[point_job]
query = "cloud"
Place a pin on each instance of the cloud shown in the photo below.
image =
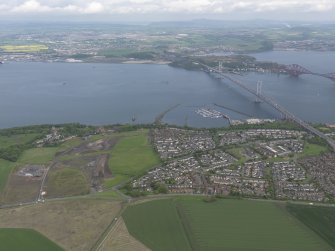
(34, 6)
(86, 7)
(31, 6)
(3, 7)
(92, 8)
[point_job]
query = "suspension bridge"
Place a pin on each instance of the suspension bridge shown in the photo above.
(287, 114)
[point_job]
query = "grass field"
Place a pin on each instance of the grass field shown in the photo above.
(108, 195)
(157, 225)
(320, 219)
(119, 239)
(75, 224)
(6, 141)
(240, 225)
(131, 156)
(242, 44)
(21, 189)
(236, 152)
(25, 239)
(24, 48)
(312, 150)
(16, 188)
(67, 182)
(108, 183)
(129, 53)
(7, 166)
(70, 144)
(5, 169)
(38, 155)
(117, 52)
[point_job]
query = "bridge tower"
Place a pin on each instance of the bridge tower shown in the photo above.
(220, 66)
(259, 91)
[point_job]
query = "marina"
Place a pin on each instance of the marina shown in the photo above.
(209, 113)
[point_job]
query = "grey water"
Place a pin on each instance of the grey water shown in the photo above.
(40, 93)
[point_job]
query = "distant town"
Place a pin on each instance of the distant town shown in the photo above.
(159, 44)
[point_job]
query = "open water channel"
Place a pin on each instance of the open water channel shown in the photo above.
(39, 93)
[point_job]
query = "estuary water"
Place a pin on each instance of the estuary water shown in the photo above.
(39, 93)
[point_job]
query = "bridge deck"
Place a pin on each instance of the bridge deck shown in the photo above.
(276, 106)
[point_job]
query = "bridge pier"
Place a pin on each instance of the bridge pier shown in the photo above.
(276, 106)
(296, 70)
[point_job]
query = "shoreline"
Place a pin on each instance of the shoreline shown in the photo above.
(152, 62)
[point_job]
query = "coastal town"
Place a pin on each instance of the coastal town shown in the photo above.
(260, 163)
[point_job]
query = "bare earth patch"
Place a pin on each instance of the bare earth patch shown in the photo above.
(21, 189)
(119, 239)
(90, 147)
(73, 224)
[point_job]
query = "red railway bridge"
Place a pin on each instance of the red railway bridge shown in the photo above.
(297, 70)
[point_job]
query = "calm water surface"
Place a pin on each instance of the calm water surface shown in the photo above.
(35, 93)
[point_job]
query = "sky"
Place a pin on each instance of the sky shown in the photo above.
(167, 10)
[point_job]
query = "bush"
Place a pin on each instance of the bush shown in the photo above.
(209, 199)
(12, 153)
(159, 187)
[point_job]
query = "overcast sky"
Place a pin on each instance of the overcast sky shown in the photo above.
(160, 10)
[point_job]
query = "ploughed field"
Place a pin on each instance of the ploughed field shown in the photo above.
(189, 223)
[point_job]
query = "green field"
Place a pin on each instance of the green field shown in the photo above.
(117, 52)
(240, 225)
(313, 149)
(41, 155)
(67, 182)
(127, 53)
(157, 225)
(70, 144)
(25, 239)
(5, 169)
(30, 156)
(12, 145)
(131, 156)
(236, 153)
(320, 219)
(108, 194)
(24, 48)
(17, 139)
